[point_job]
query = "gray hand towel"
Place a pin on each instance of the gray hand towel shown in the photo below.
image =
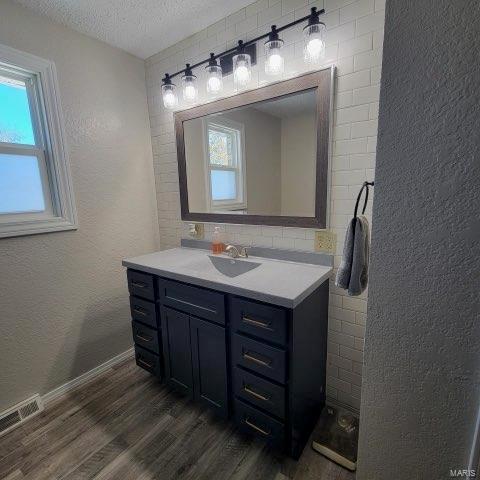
(352, 274)
(361, 251)
(343, 274)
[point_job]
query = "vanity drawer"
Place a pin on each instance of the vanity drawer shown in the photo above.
(143, 311)
(259, 392)
(148, 361)
(141, 284)
(263, 321)
(197, 301)
(263, 359)
(250, 420)
(146, 337)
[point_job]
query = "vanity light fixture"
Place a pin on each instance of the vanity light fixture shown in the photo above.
(274, 62)
(189, 85)
(242, 68)
(214, 77)
(169, 93)
(314, 51)
(314, 39)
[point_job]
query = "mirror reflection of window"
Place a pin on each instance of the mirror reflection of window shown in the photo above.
(257, 159)
(225, 165)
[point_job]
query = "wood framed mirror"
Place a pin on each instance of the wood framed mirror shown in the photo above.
(260, 157)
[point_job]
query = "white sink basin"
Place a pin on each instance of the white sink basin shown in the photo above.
(232, 267)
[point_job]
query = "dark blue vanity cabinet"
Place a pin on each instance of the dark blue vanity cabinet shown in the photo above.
(194, 342)
(195, 358)
(262, 364)
(145, 322)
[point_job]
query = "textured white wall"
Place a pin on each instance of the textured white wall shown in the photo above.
(63, 296)
(354, 44)
(420, 397)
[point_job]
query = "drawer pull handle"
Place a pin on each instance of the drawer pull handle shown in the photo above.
(256, 323)
(144, 363)
(139, 284)
(263, 432)
(145, 339)
(139, 311)
(264, 363)
(248, 389)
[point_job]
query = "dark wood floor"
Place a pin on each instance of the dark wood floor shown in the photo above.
(125, 425)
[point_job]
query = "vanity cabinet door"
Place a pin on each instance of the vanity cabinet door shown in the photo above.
(176, 350)
(209, 361)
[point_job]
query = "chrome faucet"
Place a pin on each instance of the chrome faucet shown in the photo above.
(233, 251)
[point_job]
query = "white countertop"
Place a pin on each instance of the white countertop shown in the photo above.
(279, 282)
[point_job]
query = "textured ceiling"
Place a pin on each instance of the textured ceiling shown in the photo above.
(141, 27)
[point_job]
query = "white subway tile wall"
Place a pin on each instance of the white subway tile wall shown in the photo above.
(354, 45)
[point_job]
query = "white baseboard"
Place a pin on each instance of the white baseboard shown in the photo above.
(85, 377)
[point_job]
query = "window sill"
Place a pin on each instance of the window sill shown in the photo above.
(228, 206)
(17, 229)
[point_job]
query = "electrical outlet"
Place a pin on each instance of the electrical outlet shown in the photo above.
(200, 231)
(196, 230)
(325, 241)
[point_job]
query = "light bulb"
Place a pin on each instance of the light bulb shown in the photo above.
(242, 75)
(169, 100)
(314, 47)
(214, 84)
(275, 62)
(190, 92)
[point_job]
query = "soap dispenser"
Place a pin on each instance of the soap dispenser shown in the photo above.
(217, 244)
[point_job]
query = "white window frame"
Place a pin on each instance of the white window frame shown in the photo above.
(40, 78)
(240, 203)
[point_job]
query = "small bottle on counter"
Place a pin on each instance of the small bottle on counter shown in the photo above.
(217, 243)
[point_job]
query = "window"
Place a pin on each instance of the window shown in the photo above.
(35, 186)
(225, 165)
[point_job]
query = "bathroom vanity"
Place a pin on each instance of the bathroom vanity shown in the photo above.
(247, 338)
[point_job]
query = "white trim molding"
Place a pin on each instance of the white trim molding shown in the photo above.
(85, 377)
(238, 165)
(50, 138)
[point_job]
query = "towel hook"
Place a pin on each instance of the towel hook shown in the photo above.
(364, 187)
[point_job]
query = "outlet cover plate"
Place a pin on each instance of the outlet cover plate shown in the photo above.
(325, 241)
(197, 230)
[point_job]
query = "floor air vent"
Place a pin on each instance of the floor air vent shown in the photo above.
(20, 413)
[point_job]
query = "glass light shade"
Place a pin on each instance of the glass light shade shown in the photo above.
(242, 71)
(274, 62)
(189, 88)
(314, 43)
(169, 94)
(214, 80)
